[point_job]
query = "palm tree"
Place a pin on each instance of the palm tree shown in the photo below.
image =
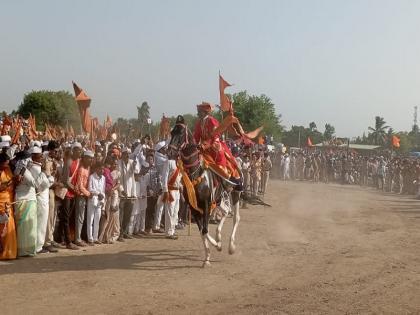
(378, 133)
(312, 126)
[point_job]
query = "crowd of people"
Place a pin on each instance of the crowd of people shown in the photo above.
(70, 194)
(382, 171)
(64, 195)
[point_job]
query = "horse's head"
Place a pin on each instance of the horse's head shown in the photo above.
(190, 156)
(180, 137)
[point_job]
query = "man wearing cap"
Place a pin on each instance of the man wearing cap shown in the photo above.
(266, 167)
(50, 166)
(127, 192)
(42, 184)
(161, 163)
(82, 193)
(171, 184)
(204, 134)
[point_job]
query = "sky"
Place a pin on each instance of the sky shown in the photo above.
(329, 61)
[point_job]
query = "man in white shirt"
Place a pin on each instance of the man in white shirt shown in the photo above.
(161, 163)
(42, 184)
(266, 169)
(128, 193)
(140, 205)
(171, 184)
(96, 203)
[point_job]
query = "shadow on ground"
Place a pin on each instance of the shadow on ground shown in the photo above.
(126, 260)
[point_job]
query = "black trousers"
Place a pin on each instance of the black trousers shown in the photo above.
(65, 212)
(126, 209)
(150, 213)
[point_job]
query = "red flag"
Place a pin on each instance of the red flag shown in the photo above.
(309, 142)
(396, 141)
(83, 100)
(225, 103)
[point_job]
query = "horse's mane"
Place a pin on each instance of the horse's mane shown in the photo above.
(181, 135)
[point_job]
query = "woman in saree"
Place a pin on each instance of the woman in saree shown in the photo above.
(26, 210)
(8, 246)
(111, 228)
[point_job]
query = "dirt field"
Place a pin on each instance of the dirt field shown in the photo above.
(319, 250)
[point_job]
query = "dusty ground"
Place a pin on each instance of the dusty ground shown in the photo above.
(319, 250)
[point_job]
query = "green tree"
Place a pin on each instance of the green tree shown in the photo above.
(329, 132)
(405, 142)
(255, 111)
(296, 136)
(378, 132)
(55, 108)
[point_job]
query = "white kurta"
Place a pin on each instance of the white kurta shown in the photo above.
(42, 184)
(172, 208)
(95, 206)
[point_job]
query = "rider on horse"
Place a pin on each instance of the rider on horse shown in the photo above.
(215, 151)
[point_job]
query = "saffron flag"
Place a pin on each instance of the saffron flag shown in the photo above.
(32, 133)
(18, 128)
(108, 122)
(83, 100)
(165, 128)
(396, 141)
(309, 142)
(225, 103)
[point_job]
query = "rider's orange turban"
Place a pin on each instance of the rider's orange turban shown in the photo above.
(205, 107)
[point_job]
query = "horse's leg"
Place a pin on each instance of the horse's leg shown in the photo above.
(206, 262)
(236, 218)
(219, 231)
(198, 218)
(205, 236)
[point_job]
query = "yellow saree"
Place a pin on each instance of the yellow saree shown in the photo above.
(8, 248)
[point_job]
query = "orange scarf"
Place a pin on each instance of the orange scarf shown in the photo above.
(171, 183)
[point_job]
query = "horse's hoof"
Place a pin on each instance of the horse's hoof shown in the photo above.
(206, 264)
(219, 246)
(232, 249)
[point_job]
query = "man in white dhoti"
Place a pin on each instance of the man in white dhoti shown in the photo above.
(42, 184)
(161, 162)
(171, 184)
(96, 203)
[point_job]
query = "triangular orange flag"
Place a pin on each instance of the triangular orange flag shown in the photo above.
(225, 103)
(309, 142)
(83, 100)
(396, 141)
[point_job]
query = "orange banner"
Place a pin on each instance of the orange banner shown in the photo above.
(225, 103)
